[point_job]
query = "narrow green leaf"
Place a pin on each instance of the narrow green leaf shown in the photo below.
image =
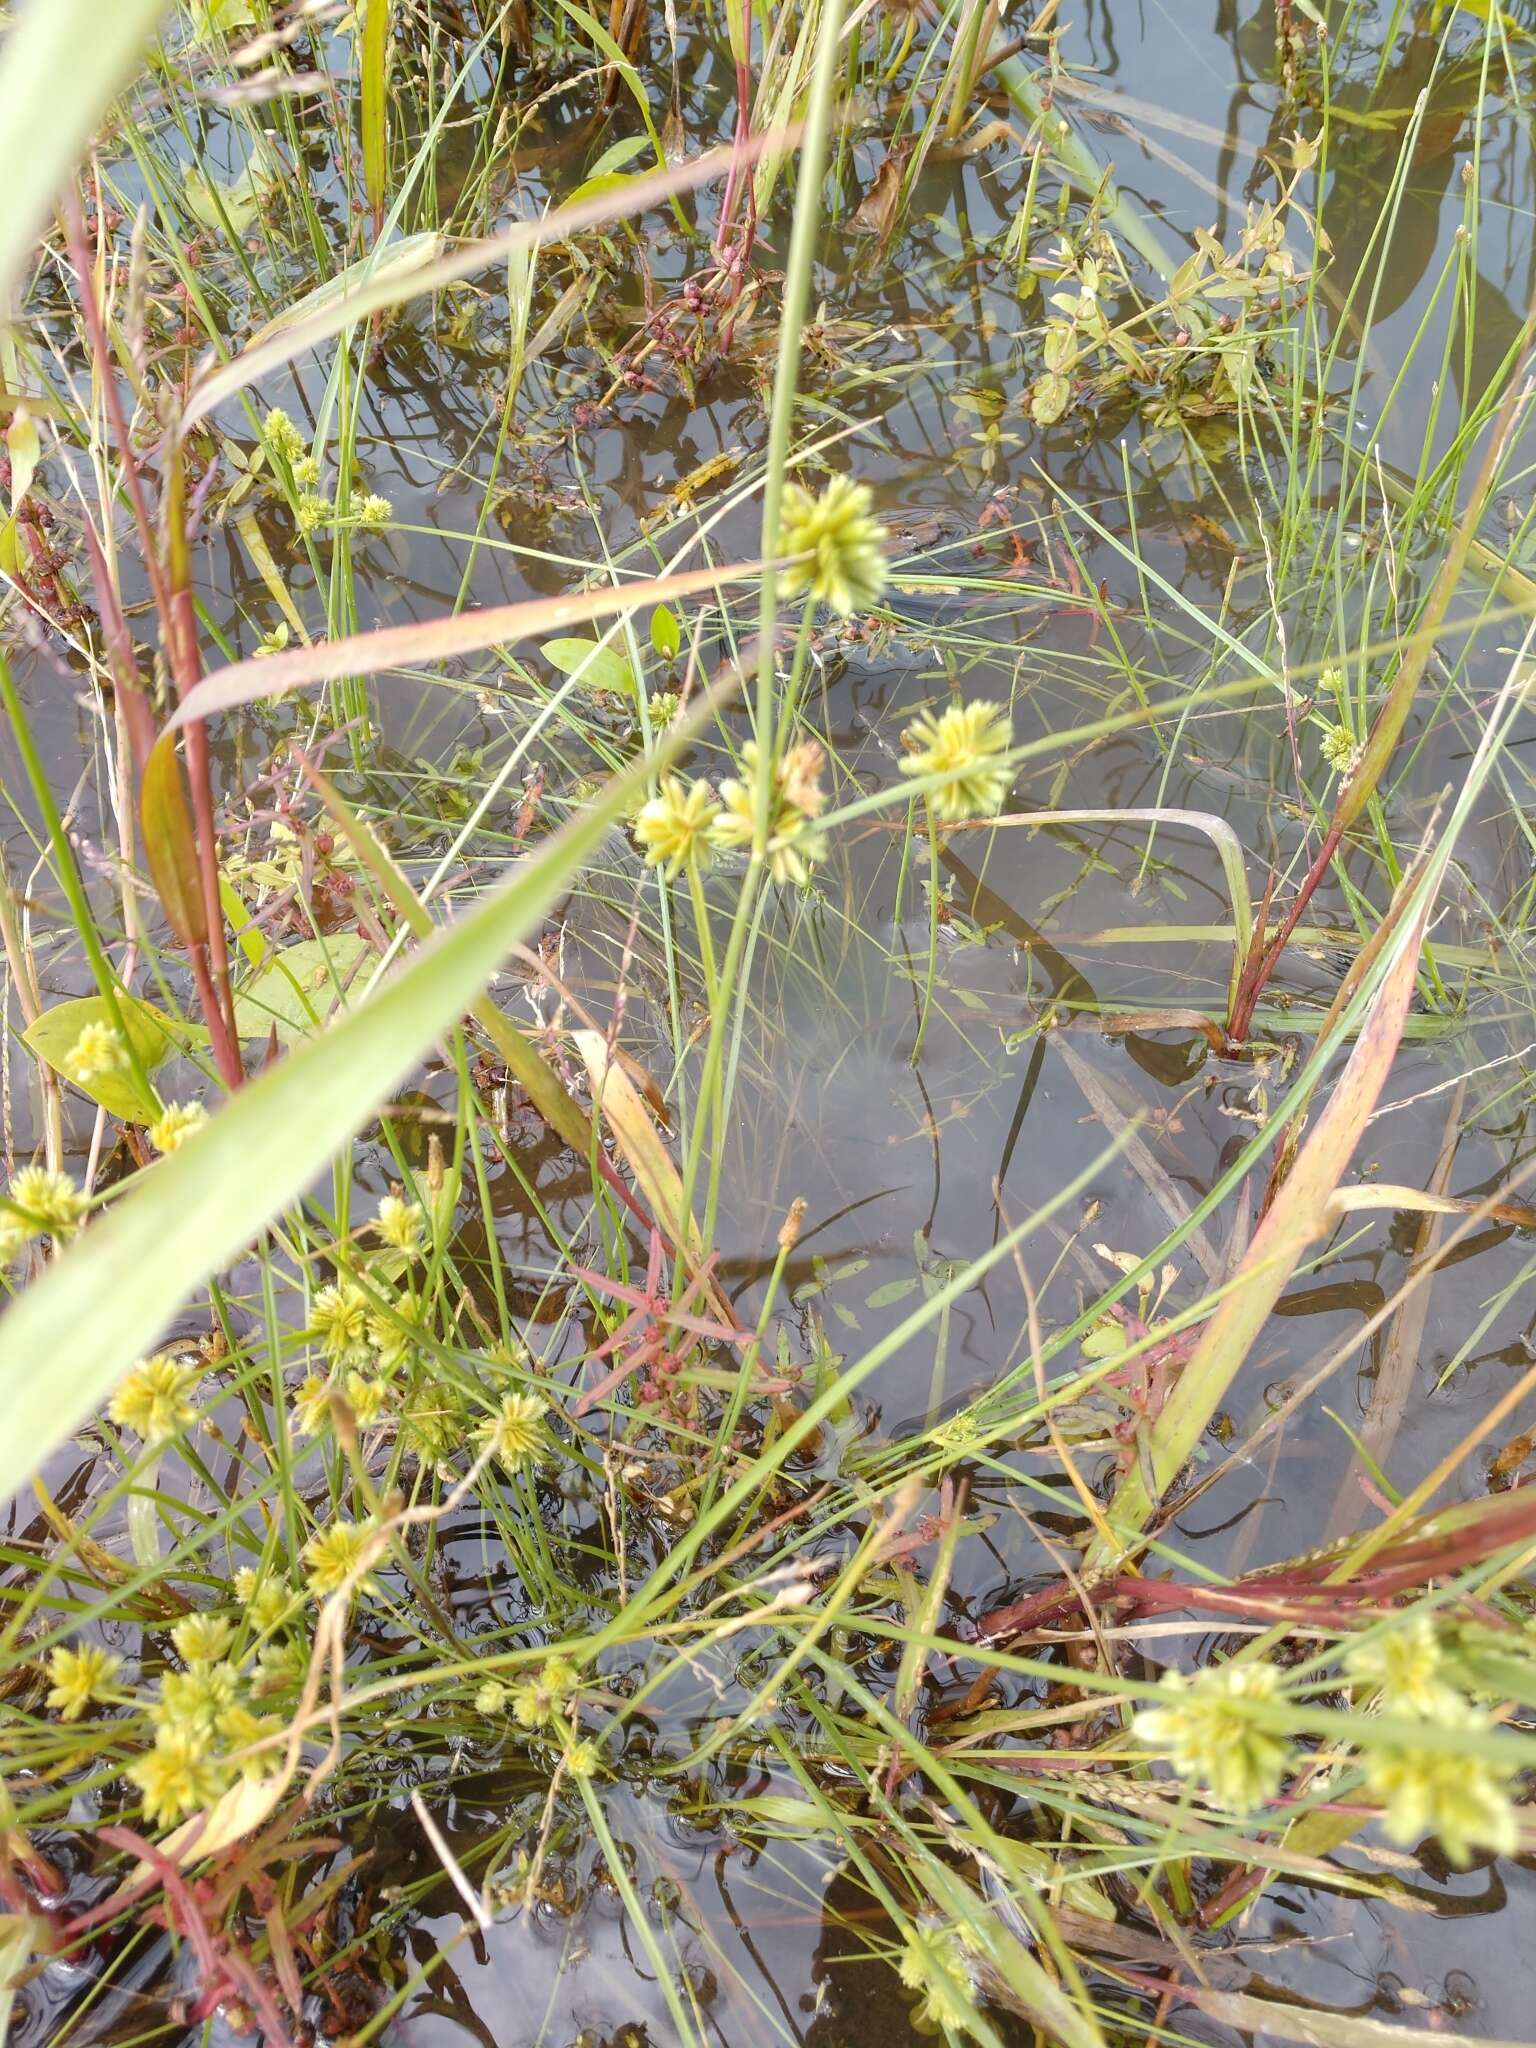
(169, 846)
(375, 104)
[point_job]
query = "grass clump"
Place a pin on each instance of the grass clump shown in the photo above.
(669, 1211)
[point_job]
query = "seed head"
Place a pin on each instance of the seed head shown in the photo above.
(333, 1554)
(374, 512)
(98, 1050)
(176, 1123)
(1211, 1742)
(178, 1776)
(515, 1431)
(338, 1316)
(154, 1401)
(314, 511)
(963, 743)
(795, 801)
(837, 544)
(400, 1224)
(202, 1638)
(1463, 1800)
(934, 1963)
(282, 436)
(1408, 1669)
(78, 1677)
(48, 1201)
(675, 827)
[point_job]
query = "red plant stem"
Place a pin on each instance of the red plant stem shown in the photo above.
(96, 330)
(226, 1046)
(1248, 996)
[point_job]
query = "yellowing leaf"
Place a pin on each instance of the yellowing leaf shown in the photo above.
(641, 1143)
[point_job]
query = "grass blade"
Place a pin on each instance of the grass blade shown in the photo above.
(251, 682)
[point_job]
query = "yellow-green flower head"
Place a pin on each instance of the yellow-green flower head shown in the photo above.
(490, 1698)
(1211, 1742)
(795, 801)
(306, 471)
(934, 1962)
(396, 1337)
(98, 1050)
(196, 1698)
(266, 1600)
(202, 1638)
(338, 1316)
(538, 1701)
(1463, 1800)
(368, 1399)
(400, 1223)
(374, 512)
(674, 828)
(516, 1430)
(238, 1728)
(1339, 747)
(1408, 1667)
(179, 1775)
(314, 511)
(837, 543)
(79, 1676)
(584, 1758)
(177, 1122)
(432, 1425)
(48, 1201)
(333, 1555)
(281, 435)
(155, 1400)
(963, 743)
(311, 1403)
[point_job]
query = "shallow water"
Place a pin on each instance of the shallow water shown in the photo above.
(905, 1164)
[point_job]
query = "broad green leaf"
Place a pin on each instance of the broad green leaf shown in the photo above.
(216, 206)
(299, 987)
(617, 155)
(666, 634)
(63, 63)
(213, 18)
(602, 668)
(55, 1033)
(70, 1336)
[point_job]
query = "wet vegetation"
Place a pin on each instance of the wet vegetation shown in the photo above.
(769, 1022)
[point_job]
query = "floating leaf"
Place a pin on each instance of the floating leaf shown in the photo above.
(604, 668)
(217, 206)
(299, 987)
(55, 1033)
